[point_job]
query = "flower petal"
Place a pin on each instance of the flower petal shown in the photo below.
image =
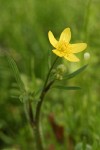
(58, 53)
(76, 48)
(71, 57)
(52, 39)
(65, 35)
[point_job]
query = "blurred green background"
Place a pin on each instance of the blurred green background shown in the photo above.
(24, 26)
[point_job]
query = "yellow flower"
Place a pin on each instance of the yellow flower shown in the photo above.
(63, 48)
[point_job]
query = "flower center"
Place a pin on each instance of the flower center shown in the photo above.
(62, 47)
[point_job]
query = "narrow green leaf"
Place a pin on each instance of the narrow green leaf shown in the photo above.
(72, 75)
(15, 72)
(67, 87)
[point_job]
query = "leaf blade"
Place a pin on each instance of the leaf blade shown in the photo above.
(66, 87)
(16, 72)
(78, 71)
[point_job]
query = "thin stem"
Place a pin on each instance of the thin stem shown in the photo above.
(38, 142)
(49, 73)
(86, 19)
(46, 87)
(31, 115)
(34, 121)
(43, 93)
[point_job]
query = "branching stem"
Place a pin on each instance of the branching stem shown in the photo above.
(35, 120)
(43, 92)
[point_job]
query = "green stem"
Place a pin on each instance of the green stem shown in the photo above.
(31, 115)
(86, 19)
(37, 139)
(38, 109)
(43, 93)
(34, 121)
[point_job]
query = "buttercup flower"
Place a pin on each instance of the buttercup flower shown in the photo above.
(63, 48)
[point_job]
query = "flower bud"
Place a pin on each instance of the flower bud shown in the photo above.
(59, 77)
(86, 56)
(61, 68)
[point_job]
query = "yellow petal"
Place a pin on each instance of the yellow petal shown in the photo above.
(58, 53)
(76, 48)
(52, 39)
(71, 57)
(65, 35)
